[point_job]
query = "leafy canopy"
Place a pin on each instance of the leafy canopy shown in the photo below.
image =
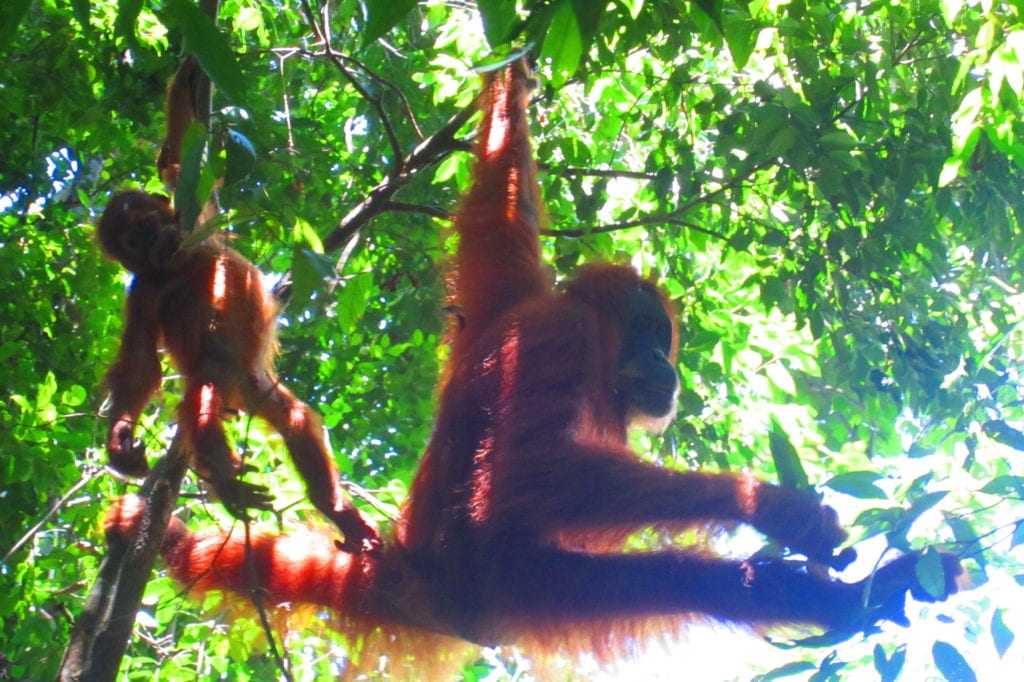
(830, 192)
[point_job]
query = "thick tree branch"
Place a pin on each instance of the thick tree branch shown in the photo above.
(100, 635)
(429, 152)
(405, 168)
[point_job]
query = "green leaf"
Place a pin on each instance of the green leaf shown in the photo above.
(499, 59)
(925, 502)
(740, 32)
(878, 520)
(951, 663)
(1001, 432)
(787, 462)
(1018, 535)
(211, 47)
(839, 139)
(782, 142)
(46, 391)
(1006, 486)
(966, 537)
(241, 157)
(383, 15)
(10, 19)
(499, 18)
(304, 233)
(859, 484)
(633, 7)
(189, 196)
(127, 17)
(931, 573)
(588, 15)
(713, 9)
(889, 669)
(353, 300)
(950, 171)
(781, 378)
(563, 44)
(950, 9)
(1002, 635)
(309, 271)
(74, 396)
(786, 671)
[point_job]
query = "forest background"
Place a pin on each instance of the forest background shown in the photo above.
(830, 192)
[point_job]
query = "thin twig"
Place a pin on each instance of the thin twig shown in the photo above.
(90, 474)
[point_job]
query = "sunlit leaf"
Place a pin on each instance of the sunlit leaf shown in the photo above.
(499, 17)
(951, 663)
(563, 43)
(1005, 485)
(889, 668)
(211, 47)
(1002, 635)
(787, 462)
(1018, 534)
(931, 574)
(861, 484)
(1001, 432)
(741, 34)
(786, 671)
(127, 15)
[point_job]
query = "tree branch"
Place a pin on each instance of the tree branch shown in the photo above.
(375, 101)
(87, 475)
(599, 172)
(673, 217)
(429, 152)
(100, 635)
(433, 211)
(666, 218)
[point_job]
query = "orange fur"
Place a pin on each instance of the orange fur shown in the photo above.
(206, 304)
(509, 534)
(180, 112)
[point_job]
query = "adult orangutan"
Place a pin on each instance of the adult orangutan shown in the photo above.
(508, 533)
